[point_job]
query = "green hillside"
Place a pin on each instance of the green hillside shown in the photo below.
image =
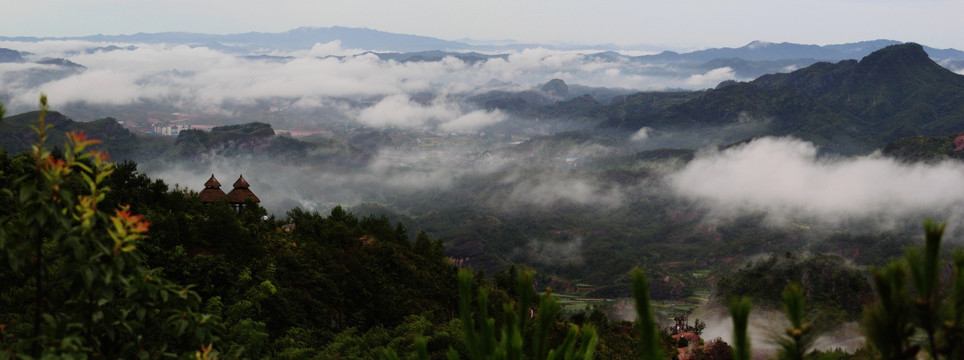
(251, 139)
(16, 135)
(836, 289)
(924, 148)
(848, 107)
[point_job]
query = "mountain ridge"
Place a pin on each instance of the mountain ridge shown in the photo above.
(295, 39)
(370, 39)
(894, 92)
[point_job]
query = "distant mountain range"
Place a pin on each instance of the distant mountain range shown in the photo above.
(380, 41)
(847, 106)
(747, 62)
(297, 39)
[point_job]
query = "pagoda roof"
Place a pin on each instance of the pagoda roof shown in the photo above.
(241, 183)
(212, 182)
(211, 194)
(241, 194)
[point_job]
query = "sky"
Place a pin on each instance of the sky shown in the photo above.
(685, 24)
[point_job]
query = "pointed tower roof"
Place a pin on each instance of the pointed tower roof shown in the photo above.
(241, 183)
(212, 191)
(241, 193)
(212, 182)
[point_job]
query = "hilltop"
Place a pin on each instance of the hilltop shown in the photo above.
(16, 134)
(847, 107)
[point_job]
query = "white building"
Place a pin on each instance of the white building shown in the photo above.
(170, 129)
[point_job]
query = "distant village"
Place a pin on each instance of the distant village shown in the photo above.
(166, 124)
(172, 124)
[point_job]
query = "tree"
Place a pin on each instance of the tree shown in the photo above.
(89, 293)
(648, 334)
(902, 311)
(698, 327)
(798, 339)
(740, 312)
(716, 349)
(682, 342)
(484, 340)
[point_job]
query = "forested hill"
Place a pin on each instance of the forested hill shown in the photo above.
(848, 107)
(251, 139)
(306, 284)
(926, 148)
(16, 134)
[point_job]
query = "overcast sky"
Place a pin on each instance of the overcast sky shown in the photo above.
(668, 23)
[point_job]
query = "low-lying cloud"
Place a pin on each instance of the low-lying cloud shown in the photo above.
(551, 188)
(786, 178)
(641, 134)
(765, 327)
(198, 77)
(554, 251)
(400, 111)
(397, 173)
(474, 120)
(710, 79)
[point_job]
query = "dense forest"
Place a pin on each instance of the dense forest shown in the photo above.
(263, 286)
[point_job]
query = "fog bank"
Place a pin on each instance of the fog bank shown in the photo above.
(785, 178)
(201, 78)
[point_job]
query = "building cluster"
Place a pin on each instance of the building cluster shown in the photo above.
(170, 129)
(165, 124)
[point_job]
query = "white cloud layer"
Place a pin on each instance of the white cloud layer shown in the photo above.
(474, 120)
(202, 78)
(786, 178)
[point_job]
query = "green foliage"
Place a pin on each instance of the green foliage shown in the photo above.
(798, 339)
(922, 148)
(716, 349)
(304, 287)
(740, 311)
(649, 348)
(836, 288)
(488, 341)
(698, 327)
(953, 313)
(924, 271)
(887, 322)
(909, 301)
(17, 135)
(90, 294)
